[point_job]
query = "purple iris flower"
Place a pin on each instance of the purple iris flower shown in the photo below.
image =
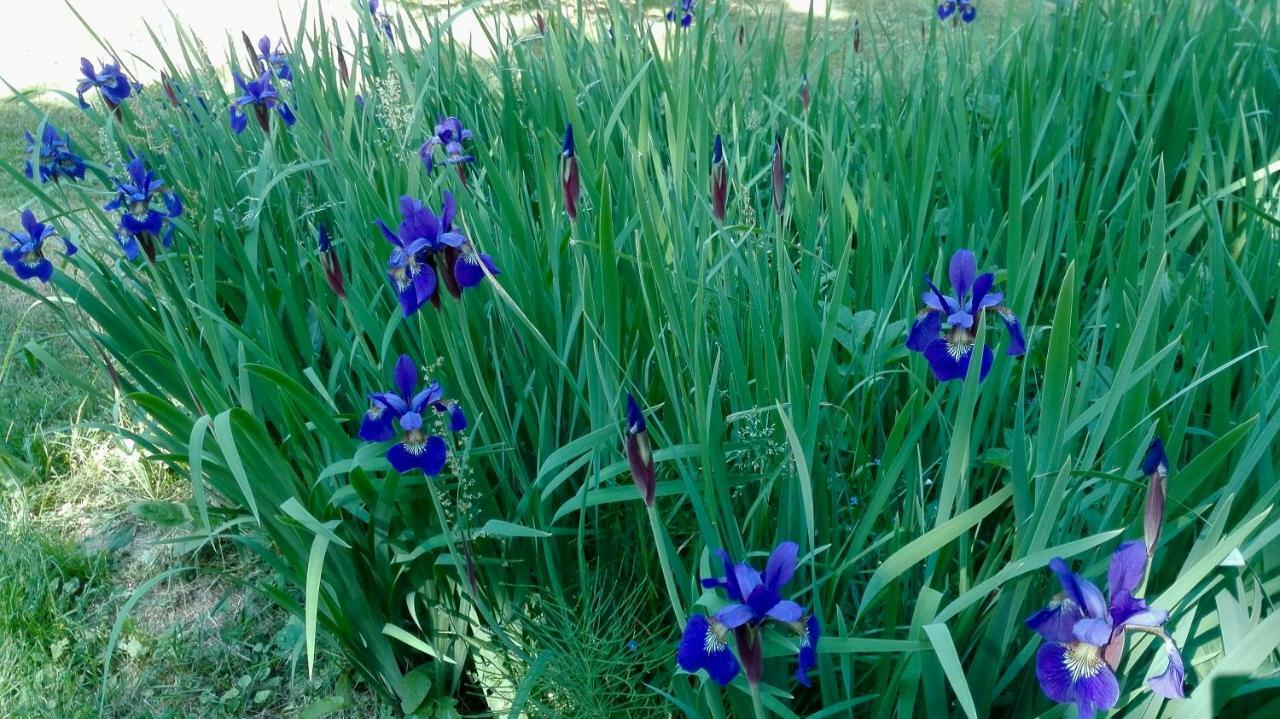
(639, 454)
(449, 134)
(467, 264)
(682, 9)
(949, 354)
(277, 60)
(757, 603)
(965, 7)
(261, 95)
(1085, 635)
(112, 84)
(25, 251)
(52, 157)
(417, 241)
(140, 221)
(381, 19)
(417, 448)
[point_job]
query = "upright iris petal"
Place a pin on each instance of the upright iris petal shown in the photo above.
(25, 249)
(950, 354)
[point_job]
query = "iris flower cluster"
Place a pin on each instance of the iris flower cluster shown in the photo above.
(382, 19)
(757, 604)
(448, 135)
(141, 221)
(418, 448)
(950, 352)
(25, 249)
(965, 8)
(261, 95)
(421, 238)
(52, 157)
(112, 84)
(681, 10)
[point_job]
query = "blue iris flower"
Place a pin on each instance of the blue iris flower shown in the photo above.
(965, 7)
(381, 19)
(757, 602)
(1084, 635)
(25, 250)
(682, 10)
(418, 448)
(52, 157)
(949, 353)
(112, 84)
(141, 221)
(262, 96)
(422, 239)
(276, 59)
(449, 134)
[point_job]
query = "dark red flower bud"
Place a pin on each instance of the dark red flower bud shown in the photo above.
(342, 68)
(1156, 466)
(750, 653)
(569, 181)
(168, 90)
(857, 37)
(332, 268)
(639, 454)
(719, 180)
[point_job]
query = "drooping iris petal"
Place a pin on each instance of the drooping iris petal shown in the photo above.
(375, 425)
(950, 361)
(430, 457)
(807, 657)
(704, 647)
(1168, 683)
(924, 330)
(469, 272)
(1075, 673)
(1017, 343)
(1056, 621)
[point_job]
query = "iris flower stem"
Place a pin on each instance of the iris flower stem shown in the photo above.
(355, 327)
(447, 530)
(660, 539)
(756, 703)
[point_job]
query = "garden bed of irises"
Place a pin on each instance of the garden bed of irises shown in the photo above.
(649, 366)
